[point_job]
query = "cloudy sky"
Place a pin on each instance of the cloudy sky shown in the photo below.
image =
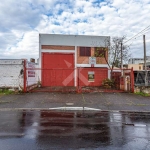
(22, 21)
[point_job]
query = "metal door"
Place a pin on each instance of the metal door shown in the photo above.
(57, 69)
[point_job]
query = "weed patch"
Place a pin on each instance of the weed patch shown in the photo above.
(6, 92)
(142, 94)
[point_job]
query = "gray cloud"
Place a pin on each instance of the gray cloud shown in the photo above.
(22, 21)
(18, 15)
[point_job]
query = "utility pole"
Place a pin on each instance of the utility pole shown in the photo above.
(144, 43)
(121, 61)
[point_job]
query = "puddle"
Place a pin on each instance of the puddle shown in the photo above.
(54, 129)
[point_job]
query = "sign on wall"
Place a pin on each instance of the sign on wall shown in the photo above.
(31, 73)
(31, 69)
(92, 61)
(90, 75)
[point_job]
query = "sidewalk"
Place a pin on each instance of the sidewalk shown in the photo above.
(102, 101)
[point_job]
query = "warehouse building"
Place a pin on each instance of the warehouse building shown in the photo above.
(70, 60)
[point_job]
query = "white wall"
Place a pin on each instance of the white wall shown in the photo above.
(135, 66)
(73, 40)
(138, 60)
(10, 73)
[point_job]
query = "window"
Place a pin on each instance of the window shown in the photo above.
(100, 52)
(91, 76)
(85, 51)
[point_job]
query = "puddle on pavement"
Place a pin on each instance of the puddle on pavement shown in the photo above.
(61, 130)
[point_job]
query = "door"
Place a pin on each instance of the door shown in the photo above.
(57, 69)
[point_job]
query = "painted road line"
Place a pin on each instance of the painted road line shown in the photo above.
(74, 108)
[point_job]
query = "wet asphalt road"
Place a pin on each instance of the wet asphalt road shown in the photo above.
(102, 101)
(45, 130)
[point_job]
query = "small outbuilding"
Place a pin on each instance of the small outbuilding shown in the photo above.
(14, 76)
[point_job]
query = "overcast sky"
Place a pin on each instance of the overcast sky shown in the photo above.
(22, 21)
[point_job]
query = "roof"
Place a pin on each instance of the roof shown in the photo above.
(73, 40)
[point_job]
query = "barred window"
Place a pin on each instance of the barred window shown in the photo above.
(100, 52)
(85, 51)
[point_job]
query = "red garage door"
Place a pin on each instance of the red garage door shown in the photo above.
(57, 69)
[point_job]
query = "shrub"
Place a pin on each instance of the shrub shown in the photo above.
(108, 82)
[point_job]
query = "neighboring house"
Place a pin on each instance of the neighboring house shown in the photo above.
(147, 65)
(138, 63)
(139, 73)
(135, 67)
(138, 60)
(64, 60)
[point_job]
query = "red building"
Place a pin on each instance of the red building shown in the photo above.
(65, 60)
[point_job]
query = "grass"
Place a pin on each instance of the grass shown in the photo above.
(142, 94)
(6, 92)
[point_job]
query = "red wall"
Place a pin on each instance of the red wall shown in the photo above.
(99, 75)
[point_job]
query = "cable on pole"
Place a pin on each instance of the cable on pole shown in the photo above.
(147, 28)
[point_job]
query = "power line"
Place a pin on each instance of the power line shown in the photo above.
(147, 28)
(142, 34)
(137, 34)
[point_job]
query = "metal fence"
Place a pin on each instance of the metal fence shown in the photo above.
(80, 80)
(139, 78)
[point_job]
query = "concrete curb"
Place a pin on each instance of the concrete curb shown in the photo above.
(89, 109)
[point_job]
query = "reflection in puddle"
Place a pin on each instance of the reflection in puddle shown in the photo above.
(52, 129)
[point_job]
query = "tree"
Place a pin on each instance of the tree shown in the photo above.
(115, 52)
(113, 48)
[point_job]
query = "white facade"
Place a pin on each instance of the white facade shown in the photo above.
(12, 74)
(138, 60)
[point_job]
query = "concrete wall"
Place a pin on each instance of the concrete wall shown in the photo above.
(73, 40)
(135, 66)
(11, 74)
(138, 60)
(142, 89)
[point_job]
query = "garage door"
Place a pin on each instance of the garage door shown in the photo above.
(57, 69)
